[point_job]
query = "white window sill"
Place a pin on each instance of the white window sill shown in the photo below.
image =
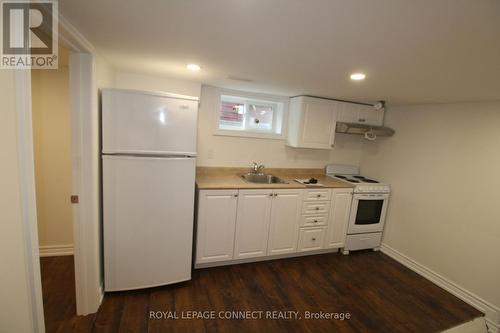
(245, 134)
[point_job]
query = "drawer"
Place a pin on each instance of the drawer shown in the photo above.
(314, 220)
(363, 241)
(319, 194)
(313, 207)
(311, 239)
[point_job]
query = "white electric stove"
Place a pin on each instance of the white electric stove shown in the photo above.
(368, 208)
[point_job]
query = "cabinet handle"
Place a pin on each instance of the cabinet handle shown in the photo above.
(236, 195)
(314, 238)
(361, 120)
(275, 194)
(319, 196)
(317, 208)
(315, 221)
(271, 195)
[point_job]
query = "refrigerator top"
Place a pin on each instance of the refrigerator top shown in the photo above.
(152, 93)
(139, 153)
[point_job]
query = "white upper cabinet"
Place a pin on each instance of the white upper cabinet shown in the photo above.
(311, 123)
(359, 114)
(285, 220)
(216, 223)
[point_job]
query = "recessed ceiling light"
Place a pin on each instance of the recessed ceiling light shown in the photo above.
(193, 67)
(358, 76)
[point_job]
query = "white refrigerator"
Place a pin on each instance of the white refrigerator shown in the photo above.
(148, 170)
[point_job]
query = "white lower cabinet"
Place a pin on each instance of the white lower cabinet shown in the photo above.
(340, 210)
(285, 220)
(216, 223)
(241, 224)
(311, 239)
(252, 223)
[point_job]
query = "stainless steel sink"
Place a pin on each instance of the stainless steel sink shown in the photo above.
(262, 178)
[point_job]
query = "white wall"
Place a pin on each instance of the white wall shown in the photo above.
(15, 303)
(52, 152)
(104, 73)
(216, 150)
(126, 80)
(443, 164)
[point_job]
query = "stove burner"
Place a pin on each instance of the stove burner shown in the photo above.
(359, 177)
(366, 180)
(352, 180)
(340, 176)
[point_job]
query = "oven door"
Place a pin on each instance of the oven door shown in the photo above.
(368, 213)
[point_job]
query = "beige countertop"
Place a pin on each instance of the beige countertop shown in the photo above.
(230, 178)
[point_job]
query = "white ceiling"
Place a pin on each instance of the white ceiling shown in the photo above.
(412, 51)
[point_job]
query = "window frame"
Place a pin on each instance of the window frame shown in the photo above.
(283, 114)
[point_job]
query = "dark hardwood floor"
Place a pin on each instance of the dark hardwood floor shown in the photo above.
(379, 294)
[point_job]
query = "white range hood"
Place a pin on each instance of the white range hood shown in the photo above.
(370, 132)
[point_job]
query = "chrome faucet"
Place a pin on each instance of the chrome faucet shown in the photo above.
(256, 168)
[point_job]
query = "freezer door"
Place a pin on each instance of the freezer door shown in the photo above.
(148, 206)
(148, 123)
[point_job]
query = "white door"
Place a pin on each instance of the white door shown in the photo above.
(318, 129)
(252, 223)
(285, 219)
(141, 122)
(216, 224)
(148, 206)
(339, 218)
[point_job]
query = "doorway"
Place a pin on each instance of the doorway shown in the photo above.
(51, 121)
(85, 177)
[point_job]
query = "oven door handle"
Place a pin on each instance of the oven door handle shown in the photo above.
(371, 196)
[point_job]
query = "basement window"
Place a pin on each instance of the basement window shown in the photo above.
(250, 115)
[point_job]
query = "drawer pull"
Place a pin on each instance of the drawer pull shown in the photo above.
(319, 196)
(315, 221)
(317, 208)
(314, 238)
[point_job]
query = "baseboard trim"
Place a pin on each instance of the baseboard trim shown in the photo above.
(56, 250)
(492, 313)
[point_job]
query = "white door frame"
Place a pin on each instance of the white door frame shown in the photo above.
(85, 148)
(28, 196)
(86, 183)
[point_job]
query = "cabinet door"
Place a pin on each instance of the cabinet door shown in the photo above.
(252, 223)
(318, 129)
(359, 114)
(346, 112)
(339, 218)
(369, 116)
(285, 220)
(216, 223)
(311, 239)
